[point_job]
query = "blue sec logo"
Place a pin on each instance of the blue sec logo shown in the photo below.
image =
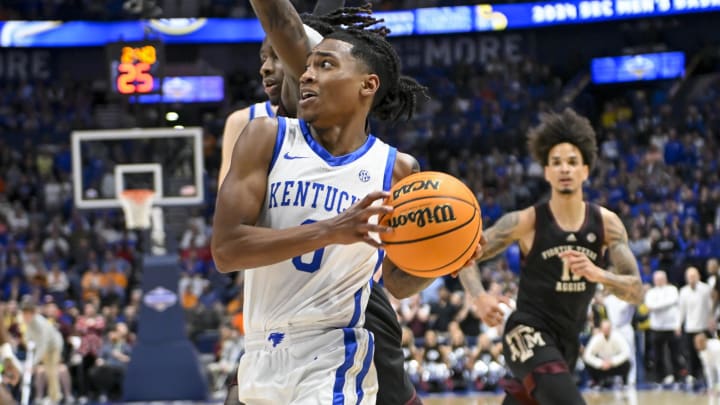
(364, 176)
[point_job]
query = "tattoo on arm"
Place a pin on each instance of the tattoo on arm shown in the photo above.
(471, 281)
(500, 235)
(623, 280)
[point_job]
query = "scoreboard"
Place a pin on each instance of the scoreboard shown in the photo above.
(136, 67)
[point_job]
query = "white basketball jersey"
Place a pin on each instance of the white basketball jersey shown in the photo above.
(259, 110)
(327, 288)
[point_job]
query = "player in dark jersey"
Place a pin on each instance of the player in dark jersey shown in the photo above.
(563, 242)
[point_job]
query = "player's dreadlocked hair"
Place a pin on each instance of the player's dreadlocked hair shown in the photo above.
(556, 128)
(397, 95)
(345, 17)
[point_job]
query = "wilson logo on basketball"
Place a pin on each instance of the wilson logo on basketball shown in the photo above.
(416, 186)
(438, 214)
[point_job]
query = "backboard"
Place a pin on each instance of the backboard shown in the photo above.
(106, 162)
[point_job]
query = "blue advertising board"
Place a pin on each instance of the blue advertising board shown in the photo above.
(422, 21)
(186, 89)
(631, 68)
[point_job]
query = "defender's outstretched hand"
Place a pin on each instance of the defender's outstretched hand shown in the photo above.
(489, 310)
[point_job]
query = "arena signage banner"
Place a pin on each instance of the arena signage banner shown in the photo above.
(422, 21)
(422, 52)
(25, 64)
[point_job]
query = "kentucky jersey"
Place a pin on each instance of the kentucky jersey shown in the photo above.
(259, 110)
(549, 291)
(327, 288)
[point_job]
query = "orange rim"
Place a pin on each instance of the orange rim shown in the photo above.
(138, 195)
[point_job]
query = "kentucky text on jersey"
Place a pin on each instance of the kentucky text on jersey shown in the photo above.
(554, 251)
(309, 193)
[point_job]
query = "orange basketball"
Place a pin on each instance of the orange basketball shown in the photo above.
(436, 224)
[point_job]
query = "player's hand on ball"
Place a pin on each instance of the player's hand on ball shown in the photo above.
(478, 251)
(489, 310)
(352, 225)
(581, 265)
(478, 254)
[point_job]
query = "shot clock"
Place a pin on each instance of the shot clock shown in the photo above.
(135, 67)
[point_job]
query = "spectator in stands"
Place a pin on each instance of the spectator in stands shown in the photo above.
(108, 374)
(711, 268)
(640, 245)
(434, 366)
(230, 348)
(487, 363)
(48, 345)
(467, 317)
(444, 310)
(694, 304)
(195, 236)
(411, 355)
(94, 283)
(459, 358)
(620, 314)
(662, 304)
(415, 314)
(607, 355)
(90, 327)
(117, 284)
(11, 368)
(709, 352)
(56, 244)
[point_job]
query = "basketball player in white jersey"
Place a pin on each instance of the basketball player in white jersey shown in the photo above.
(395, 387)
(297, 210)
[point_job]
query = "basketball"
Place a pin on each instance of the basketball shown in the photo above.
(436, 224)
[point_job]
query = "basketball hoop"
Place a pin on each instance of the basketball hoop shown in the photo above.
(137, 206)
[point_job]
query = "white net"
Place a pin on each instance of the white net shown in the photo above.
(137, 206)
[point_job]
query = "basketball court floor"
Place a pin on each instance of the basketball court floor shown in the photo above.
(630, 397)
(598, 398)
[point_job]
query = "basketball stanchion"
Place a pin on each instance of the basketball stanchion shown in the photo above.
(163, 354)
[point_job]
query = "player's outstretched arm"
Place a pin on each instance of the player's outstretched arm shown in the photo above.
(234, 125)
(623, 278)
(508, 229)
(284, 28)
(238, 244)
